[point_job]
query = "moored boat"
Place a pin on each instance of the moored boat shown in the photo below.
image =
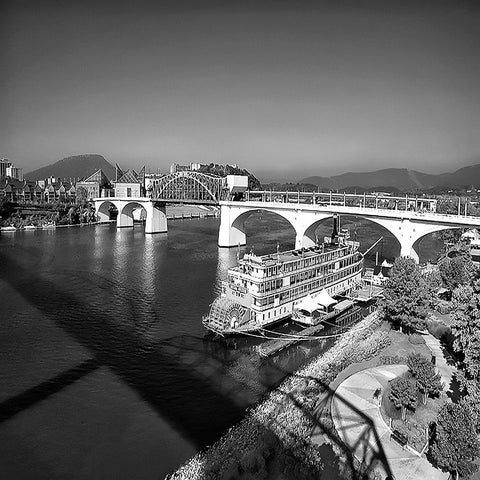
(263, 290)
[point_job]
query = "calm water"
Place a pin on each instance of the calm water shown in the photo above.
(106, 370)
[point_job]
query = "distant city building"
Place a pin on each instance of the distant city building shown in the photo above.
(15, 172)
(192, 167)
(4, 164)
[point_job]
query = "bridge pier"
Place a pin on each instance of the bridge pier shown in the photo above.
(232, 229)
(407, 250)
(156, 221)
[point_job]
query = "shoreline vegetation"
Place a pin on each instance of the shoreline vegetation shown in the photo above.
(281, 425)
(67, 215)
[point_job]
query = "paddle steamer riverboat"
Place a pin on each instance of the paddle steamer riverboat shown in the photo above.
(263, 290)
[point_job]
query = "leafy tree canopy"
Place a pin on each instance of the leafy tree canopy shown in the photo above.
(403, 393)
(457, 268)
(456, 445)
(466, 326)
(407, 295)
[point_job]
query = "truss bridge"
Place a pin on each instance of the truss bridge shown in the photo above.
(189, 187)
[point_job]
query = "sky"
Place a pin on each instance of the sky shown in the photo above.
(285, 89)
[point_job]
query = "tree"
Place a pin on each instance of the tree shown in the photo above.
(466, 327)
(456, 446)
(471, 399)
(456, 270)
(403, 394)
(406, 295)
(428, 382)
(415, 361)
(434, 282)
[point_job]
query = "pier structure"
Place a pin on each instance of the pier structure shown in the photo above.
(155, 219)
(305, 211)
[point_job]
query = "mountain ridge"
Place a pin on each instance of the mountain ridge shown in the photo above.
(400, 178)
(75, 166)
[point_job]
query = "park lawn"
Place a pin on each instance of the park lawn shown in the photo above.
(401, 346)
(416, 423)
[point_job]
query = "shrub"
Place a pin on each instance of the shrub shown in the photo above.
(439, 329)
(416, 339)
(391, 360)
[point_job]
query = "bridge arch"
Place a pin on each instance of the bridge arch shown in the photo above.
(307, 238)
(125, 214)
(103, 210)
(232, 224)
(189, 185)
(155, 221)
(410, 233)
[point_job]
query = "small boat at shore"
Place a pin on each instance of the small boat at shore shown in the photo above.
(48, 225)
(10, 228)
(29, 227)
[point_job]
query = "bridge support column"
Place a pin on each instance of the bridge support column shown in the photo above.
(156, 221)
(407, 238)
(303, 241)
(232, 231)
(407, 250)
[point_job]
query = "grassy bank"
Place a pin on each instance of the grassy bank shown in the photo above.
(274, 440)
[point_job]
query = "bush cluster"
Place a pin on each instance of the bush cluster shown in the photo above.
(416, 339)
(392, 360)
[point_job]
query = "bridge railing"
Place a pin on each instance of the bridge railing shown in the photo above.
(407, 206)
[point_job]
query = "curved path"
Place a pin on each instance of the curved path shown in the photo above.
(360, 425)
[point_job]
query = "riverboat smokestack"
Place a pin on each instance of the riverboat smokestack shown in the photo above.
(335, 229)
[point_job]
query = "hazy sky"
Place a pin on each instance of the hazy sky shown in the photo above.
(310, 88)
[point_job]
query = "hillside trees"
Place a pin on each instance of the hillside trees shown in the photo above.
(407, 295)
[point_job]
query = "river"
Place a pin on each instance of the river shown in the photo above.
(107, 371)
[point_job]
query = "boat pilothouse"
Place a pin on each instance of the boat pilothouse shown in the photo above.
(262, 290)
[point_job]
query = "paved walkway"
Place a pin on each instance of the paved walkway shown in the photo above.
(357, 417)
(445, 370)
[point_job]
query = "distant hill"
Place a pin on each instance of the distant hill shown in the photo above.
(224, 170)
(398, 179)
(77, 166)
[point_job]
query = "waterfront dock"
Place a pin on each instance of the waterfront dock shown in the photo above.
(272, 347)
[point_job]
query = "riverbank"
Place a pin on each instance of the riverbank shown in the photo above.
(281, 425)
(52, 227)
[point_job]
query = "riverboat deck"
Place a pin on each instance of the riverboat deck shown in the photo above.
(366, 293)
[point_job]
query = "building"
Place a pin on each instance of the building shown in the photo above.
(381, 273)
(4, 164)
(14, 172)
(129, 183)
(93, 186)
(192, 167)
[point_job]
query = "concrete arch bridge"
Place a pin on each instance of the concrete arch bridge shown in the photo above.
(407, 226)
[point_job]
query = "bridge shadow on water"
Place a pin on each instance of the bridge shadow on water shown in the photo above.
(196, 400)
